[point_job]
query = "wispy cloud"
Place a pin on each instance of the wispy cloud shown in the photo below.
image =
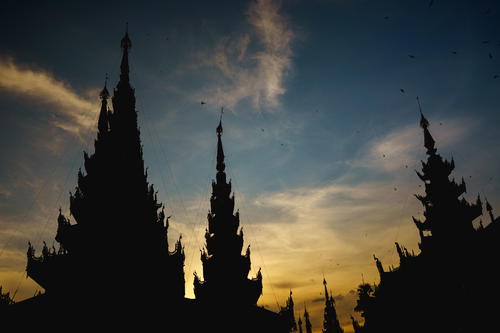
(253, 65)
(70, 111)
(405, 145)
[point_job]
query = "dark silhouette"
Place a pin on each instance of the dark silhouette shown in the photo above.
(113, 267)
(288, 313)
(450, 284)
(225, 270)
(5, 300)
(331, 323)
(308, 322)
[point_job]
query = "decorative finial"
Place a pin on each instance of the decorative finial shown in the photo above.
(429, 142)
(424, 123)
(104, 92)
(219, 128)
(126, 43)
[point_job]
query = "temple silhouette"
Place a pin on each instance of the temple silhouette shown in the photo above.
(224, 268)
(113, 267)
(451, 285)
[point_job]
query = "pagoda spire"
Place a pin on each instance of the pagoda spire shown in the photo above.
(126, 44)
(113, 204)
(448, 218)
(221, 166)
(331, 322)
(288, 313)
(225, 269)
(429, 142)
(308, 322)
(300, 324)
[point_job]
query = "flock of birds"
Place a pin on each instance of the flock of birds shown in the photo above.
(412, 56)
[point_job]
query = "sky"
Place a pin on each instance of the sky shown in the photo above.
(320, 120)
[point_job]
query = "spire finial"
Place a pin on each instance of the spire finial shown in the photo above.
(104, 92)
(428, 139)
(220, 151)
(219, 129)
(126, 44)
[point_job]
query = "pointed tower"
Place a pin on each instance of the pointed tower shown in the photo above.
(225, 270)
(118, 241)
(331, 323)
(299, 322)
(288, 313)
(308, 321)
(448, 218)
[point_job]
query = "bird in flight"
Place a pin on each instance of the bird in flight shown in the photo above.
(431, 3)
(490, 56)
(486, 41)
(411, 56)
(495, 76)
(454, 52)
(202, 103)
(402, 90)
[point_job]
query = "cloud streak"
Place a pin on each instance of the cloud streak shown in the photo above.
(253, 66)
(70, 111)
(403, 146)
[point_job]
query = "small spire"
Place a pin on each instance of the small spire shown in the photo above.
(326, 290)
(104, 92)
(221, 166)
(219, 129)
(126, 44)
(429, 142)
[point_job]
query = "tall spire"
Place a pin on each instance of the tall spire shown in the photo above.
(331, 322)
(428, 139)
(221, 166)
(326, 289)
(224, 268)
(308, 322)
(126, 44)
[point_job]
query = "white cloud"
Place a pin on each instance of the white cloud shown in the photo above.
(69, 110)
(404, 146)
(257, 75)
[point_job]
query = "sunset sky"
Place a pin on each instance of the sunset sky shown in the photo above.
(320, 120)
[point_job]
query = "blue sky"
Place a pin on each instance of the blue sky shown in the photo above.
(320, 140)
